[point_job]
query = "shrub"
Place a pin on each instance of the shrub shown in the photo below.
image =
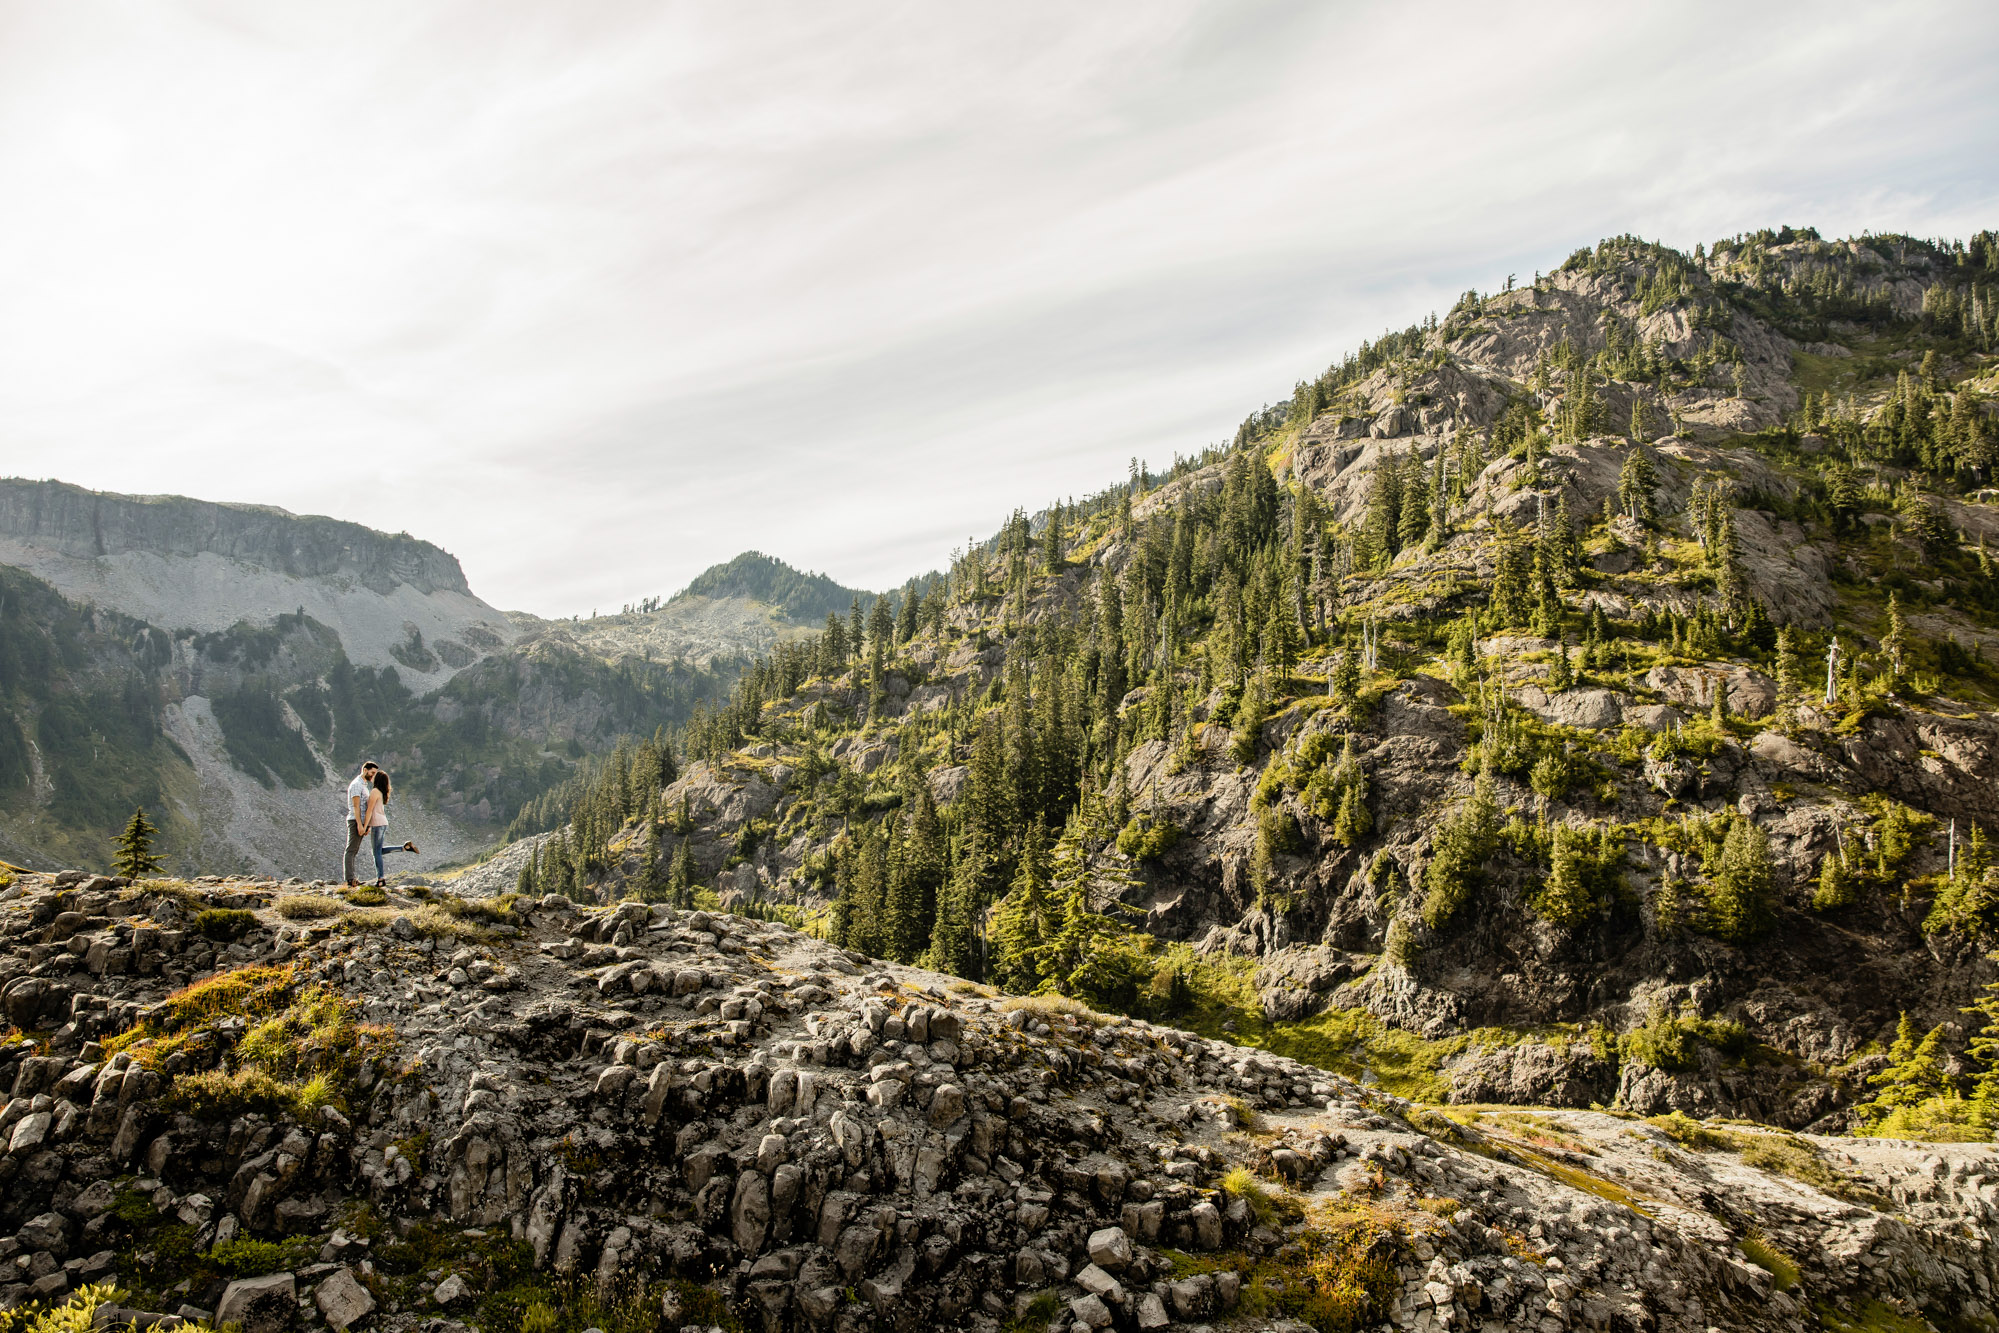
(1046, 1007)
(1671, 1042)
(1242, 1183)
(309, 906)
(303, 1043)
(1771, 1260)
(223, 924)
(244, 1257)
(1241, 1114)
(77, 1314)
(1691, 1133)
(1350, 1270)
(1146, 839)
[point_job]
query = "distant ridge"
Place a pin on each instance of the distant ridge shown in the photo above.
(797, 596)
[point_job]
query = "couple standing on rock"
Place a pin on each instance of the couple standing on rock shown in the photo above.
(368, 817)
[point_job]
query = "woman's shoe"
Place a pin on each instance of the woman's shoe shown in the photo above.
(409, 847)
(381, 884)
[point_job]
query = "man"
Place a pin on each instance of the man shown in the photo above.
(357, 810)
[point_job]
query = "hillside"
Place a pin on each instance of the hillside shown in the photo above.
(805, 598)
(743, 607)
(1582, 697)
(529, 1118)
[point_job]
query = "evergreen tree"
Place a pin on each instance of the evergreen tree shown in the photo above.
(1025, 925)
(954, 940)
(1458, 853)
(867, 892)
(1637, 483)
(135, 858)
(1413, 520)
(680, 876)
(1740, 889)
(1565, 898)
(1915, 1071)
(1547, 602)
(1564, 546)
(1347, 677)
(1896, 640)
(1561, 676)
(1512, 580)
(652, 873)
(1249, 717)
(1790, 679)
(1983, 1049)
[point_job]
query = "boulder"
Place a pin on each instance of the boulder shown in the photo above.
(1110, 1249)
(1593, 710)
(1090, 1310)
(343, 1302)
(259, 1304)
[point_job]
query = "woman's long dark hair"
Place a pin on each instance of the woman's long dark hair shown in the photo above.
(382, 784)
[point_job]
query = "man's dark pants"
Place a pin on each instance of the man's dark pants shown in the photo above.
(353, 851)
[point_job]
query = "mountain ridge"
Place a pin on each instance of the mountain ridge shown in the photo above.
(1469, 688)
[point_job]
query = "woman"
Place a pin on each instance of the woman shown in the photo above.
(378, 826)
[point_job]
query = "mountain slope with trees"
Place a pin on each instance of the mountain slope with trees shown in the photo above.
(1584, 696)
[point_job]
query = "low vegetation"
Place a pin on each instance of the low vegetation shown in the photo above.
(302, 1047)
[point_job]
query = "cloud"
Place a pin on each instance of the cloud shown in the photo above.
(595, 296)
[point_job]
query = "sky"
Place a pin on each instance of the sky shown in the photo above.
(596, 295)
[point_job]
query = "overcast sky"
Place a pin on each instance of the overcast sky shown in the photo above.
(597, 294)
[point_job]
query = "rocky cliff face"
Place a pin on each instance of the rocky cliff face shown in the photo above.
(90, 525)
(181, 564)
(545, 1117)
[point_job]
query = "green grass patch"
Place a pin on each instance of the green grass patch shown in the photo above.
(1771, 1260)
(309, 906)
(224, 924)
(1773, 1151)
(303, 1045)
(1337, 1273)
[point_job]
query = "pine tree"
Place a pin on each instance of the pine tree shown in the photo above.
(1838, 885)
(1790, 680)
(954, 941)
(1983, 1048)
(1025, 925)
(1896, 640)
(1915, 1071)
(1547, 602)
(1458, 853)
(1739, 891)
(1512, 580)
(1346, 678)
(1637, 482)
(1413, 522)
(680, 877)
(1563, 548)
(136, 858)
(652, 874)
(1249, 717)
(1561, 676)
(1565, 898)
